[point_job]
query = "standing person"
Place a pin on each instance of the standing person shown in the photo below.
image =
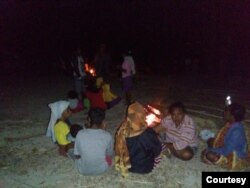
(137, 147)
(229, 148)
(180, 132)
(94, 146)
(79, 74)
(128, 72)
(102, 63)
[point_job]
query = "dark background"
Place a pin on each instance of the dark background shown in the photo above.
(36, 33)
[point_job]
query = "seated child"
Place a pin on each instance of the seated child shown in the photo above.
(58, 129)
(229, 148)
(94, 146)
(137, 146)
(75, 103)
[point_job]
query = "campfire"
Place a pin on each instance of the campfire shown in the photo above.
(90, 70)
(153, 116)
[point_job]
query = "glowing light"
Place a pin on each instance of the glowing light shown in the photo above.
(153, 116)
(154, 110)
(228, 101)
(90, 70)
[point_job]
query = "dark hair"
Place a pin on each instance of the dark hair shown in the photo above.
(72, 94)
(179, 105)
(92, 86)
(96, 116)
(238, 111)
(74, 129)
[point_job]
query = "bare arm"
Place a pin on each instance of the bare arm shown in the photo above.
(159, 129)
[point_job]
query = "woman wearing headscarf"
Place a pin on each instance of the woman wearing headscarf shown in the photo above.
(137, 146)
(58, 129)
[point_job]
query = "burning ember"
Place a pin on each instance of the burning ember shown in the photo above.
(153, 115)
(90, 70)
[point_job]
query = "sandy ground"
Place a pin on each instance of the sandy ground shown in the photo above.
(29, 159)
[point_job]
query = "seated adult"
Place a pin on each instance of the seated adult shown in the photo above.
(229, 147)
(95, 96)
(58, 127)
(180, 132)
(75, 104)
(137, 147)
(93, 146)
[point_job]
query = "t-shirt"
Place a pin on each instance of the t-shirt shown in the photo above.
(93, 146)
(143, 149)
(61, 132)
(128, 65)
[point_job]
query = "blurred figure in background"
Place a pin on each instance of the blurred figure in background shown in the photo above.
(102, 63)
(128, 73)
(77, 63)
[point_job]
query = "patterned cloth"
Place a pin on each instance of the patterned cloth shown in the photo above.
(230, 161)
(134, 123)
(182, 136)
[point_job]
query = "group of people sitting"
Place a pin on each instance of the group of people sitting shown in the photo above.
(137, 148)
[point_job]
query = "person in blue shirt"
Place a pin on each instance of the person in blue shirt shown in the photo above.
(229, 147)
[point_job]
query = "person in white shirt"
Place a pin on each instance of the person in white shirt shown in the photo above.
(128, 72)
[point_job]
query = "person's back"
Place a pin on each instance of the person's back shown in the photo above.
(93, 145)
(143, 149)
(95, 96)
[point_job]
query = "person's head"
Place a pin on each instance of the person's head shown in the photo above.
(74, 129)
(234, 112)
(60, 110)
(136, 116)
(92, 87)
(66, 114)
(99, 82)
(73, 99)
(72, 94)
(177, 111)
(96, 118)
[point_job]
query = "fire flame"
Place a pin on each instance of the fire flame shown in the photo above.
(154, 110)
(90, 70)
(153, 115)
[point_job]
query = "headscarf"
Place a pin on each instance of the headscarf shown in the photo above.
(134, 124)
(57, 108)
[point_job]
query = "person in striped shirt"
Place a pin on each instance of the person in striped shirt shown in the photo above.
(180, 132)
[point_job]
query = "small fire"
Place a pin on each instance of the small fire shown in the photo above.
(90, 69)
(153, 115)
(154, 110)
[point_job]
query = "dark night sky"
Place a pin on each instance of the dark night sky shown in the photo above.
(210, 29)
